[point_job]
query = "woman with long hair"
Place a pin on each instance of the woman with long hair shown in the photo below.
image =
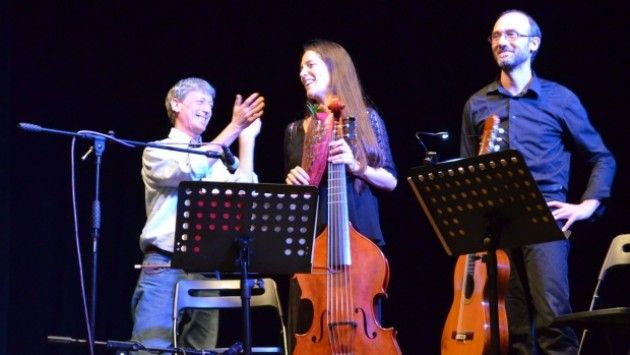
(327, 72)
(336, 297)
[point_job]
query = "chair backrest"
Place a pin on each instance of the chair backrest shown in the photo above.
(618, 254)
(207, 294)
(192, 294)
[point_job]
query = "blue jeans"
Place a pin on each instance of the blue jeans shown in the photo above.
(538, 291)
(152, 310)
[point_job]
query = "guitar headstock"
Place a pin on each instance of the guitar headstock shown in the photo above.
(489, 138)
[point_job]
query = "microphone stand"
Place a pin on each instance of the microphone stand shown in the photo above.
(125, 142)
(98, 147)
(430, 156)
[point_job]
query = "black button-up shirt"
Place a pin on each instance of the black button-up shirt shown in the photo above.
(545, 123)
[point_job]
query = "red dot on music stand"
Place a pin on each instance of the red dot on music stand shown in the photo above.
(212, 227)
(225, 227)
(197, 237)
(200, 203)
(213, 215)
(196, 249)
(226, 215)
(198, 226)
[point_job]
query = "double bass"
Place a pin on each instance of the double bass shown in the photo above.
(349, 273)
(467, 327)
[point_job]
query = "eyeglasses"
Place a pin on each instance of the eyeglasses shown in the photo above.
(511, 36)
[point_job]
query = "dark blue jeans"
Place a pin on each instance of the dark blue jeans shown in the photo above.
(538, 291)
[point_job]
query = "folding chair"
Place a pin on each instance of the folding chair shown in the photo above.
(264, 293)
(608, 320)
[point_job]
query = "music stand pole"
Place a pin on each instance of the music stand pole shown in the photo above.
(246, 292)
(493, 298)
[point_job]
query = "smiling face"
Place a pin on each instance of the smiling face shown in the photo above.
(512, 54)
(193, 113)
(315, 76)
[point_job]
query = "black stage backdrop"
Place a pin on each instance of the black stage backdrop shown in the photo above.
(107, 66)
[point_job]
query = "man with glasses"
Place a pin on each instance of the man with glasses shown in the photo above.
(546, 123)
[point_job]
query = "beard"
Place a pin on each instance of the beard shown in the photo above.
(519, 56)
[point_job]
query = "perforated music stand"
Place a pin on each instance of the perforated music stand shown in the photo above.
(483, 203)
(238, 227)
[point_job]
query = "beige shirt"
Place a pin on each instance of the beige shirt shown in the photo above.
(162, 171)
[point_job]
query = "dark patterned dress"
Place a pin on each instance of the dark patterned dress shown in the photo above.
(362, 204)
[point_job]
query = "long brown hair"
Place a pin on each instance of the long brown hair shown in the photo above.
(344, 83)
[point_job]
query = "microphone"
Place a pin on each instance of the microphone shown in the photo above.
(61, 339)
(228, 159)
(442, 134)
(430, 156)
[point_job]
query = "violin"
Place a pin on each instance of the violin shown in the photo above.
(467, 327)
(349, 273)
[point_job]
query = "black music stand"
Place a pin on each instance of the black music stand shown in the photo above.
(238, 227)
(481, 204)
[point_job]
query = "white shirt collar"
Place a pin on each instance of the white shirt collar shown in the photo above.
(182, 137)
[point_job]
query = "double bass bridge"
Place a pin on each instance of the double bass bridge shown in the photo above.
(333, 326)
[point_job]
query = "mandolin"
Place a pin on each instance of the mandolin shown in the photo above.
(467, 328)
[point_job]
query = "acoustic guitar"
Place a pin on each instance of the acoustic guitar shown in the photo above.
(467, 328)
